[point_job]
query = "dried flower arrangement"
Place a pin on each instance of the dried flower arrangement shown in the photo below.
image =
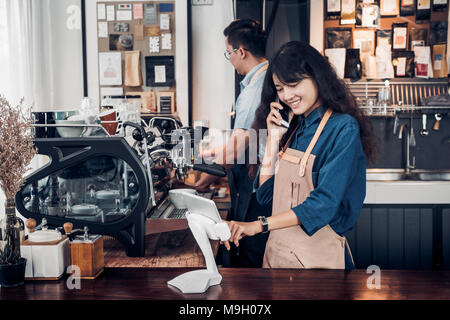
(16, 152)
(16, 146)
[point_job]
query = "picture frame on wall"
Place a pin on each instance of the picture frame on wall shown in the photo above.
(110, 68)
(160, 71)
(389, 8)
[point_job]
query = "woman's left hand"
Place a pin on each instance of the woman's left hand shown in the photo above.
(239, 230)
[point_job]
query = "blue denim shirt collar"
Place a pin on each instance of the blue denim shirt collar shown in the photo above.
(315, 115)
(246, 81)
(305, 122)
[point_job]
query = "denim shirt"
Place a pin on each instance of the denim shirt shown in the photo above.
(339, 174)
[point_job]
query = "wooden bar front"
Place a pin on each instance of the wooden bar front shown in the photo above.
(244, 284)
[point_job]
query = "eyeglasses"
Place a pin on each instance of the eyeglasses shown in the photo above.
(227, 54)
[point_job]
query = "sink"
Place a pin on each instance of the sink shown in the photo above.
(385, 176)
(431, 176)
(415, 176)
(44, 236)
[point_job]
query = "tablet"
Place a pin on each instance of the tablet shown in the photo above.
(202, 206)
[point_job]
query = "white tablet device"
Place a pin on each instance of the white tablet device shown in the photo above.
(199, 205)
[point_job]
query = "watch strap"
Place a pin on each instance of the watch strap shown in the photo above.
(265, 224)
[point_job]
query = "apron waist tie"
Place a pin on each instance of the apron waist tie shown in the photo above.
(349, 251)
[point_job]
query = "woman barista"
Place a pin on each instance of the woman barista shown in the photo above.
(314, 171)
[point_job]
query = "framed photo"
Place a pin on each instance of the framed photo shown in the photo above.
(389, 8)
(121, 42)
(110, 66)
(160, 71)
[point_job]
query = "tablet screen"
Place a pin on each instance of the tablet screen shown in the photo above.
(199, 205)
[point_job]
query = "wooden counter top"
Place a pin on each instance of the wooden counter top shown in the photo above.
(244, 284)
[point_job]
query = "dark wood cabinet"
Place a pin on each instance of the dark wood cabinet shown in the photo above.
(402, 237)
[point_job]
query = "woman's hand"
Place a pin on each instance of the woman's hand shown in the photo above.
(274, 126)
(239, 230)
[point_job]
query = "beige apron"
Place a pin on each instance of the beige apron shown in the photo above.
(292, 247)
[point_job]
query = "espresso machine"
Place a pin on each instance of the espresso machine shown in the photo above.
(172, 152)
(112, 184)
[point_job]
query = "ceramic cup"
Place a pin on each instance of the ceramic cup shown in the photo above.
(109, 121)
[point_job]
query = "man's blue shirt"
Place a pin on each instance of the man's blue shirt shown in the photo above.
(249, 98)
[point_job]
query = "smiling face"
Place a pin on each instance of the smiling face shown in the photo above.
(302, 97)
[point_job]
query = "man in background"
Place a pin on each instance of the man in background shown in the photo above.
(245, 43)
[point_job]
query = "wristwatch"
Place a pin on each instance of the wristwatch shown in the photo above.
(265, 224)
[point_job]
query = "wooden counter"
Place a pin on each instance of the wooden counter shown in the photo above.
(244, 284)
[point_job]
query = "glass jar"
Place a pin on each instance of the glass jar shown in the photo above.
(10, 235)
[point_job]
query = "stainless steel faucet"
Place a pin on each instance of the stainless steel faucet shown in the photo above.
(408, 165)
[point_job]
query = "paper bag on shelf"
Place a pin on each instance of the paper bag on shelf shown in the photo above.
(440, 61)
(133, 73)
(139, 31)
(384, 60)
(422, 60)
(336, 57)
(148, 100)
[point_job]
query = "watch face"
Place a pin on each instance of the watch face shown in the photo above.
(265, 223)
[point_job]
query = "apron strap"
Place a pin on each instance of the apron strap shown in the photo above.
(286, 145)
(313, 142)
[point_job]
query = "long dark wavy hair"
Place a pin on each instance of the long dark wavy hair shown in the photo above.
(295, 61)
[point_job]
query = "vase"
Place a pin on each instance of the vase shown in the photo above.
(12, 265)
(13, 275)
